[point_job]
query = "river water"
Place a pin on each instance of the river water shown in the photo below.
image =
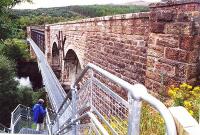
(24, 81)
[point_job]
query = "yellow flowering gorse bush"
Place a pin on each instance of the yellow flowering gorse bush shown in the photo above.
(186, 96)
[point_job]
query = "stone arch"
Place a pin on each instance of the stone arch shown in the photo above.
(55, 55)
(72, 67)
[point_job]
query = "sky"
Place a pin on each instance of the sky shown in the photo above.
(61, 3)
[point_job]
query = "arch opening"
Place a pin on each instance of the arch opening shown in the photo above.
(72, 67)
(55, 55)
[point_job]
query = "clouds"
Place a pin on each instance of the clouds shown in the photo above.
(60, 3)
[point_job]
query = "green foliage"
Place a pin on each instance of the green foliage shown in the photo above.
(25, 21)
(7, 27)
(8, 89)
(7, 70)
(82, 11)
(103, 10)
(187, 96)
(11, 93)
(25, 95)
(15, 49)
(37, 95)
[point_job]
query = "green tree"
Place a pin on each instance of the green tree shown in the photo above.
(11, 93)
(6, 25)
(25, 95)
(8, 89)
(15, 49)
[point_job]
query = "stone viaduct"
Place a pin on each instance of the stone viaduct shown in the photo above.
(158, 48)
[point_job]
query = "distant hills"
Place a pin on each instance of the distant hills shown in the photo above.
(84, 11)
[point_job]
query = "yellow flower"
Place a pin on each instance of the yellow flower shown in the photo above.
(189, 87)
(191, 112)
(187, 104)
(176, 89)
(171, 93)
(184, 85)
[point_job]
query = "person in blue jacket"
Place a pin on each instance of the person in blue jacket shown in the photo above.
(38, 114)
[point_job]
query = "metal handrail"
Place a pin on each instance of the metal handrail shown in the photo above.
(137, 91)
(49, 123)
(63, 103)
(92, 117)
(41, 60)
(18, 107)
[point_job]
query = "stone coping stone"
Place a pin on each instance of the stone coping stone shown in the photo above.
(172, 3)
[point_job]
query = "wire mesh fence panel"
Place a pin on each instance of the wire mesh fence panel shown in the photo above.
(84, 95)
(111, 107)
(22, 122)
(20, 110)
(22, 117)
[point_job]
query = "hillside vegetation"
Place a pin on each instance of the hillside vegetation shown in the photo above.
(83, 11)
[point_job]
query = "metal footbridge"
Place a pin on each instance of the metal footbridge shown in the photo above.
(91, 106)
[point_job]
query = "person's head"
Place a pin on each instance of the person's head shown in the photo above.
(40, 101)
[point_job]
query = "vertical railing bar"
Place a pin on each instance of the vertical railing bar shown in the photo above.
(11, 125)
(74, 109)
(134, 115)
(29, 117)
(91, 84)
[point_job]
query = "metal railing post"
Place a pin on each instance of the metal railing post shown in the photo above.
(57, 119)
(48, 122)
(91, 83)
(74, 109)
(12, 124)
(29, 117)
(134, 115)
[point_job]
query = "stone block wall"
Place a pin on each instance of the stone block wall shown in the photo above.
(117, 43)
(157, 48)
(173, 46)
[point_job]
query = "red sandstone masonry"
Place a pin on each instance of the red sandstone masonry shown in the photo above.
(173, 34)
(117, 43)
(158, 48)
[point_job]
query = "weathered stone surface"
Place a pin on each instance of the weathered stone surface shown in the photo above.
(157, 27)
(162, 16)
(183, 17)
(175, 54)
(186, 43)
(168, 40)
(165, 69)
(178, 28)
